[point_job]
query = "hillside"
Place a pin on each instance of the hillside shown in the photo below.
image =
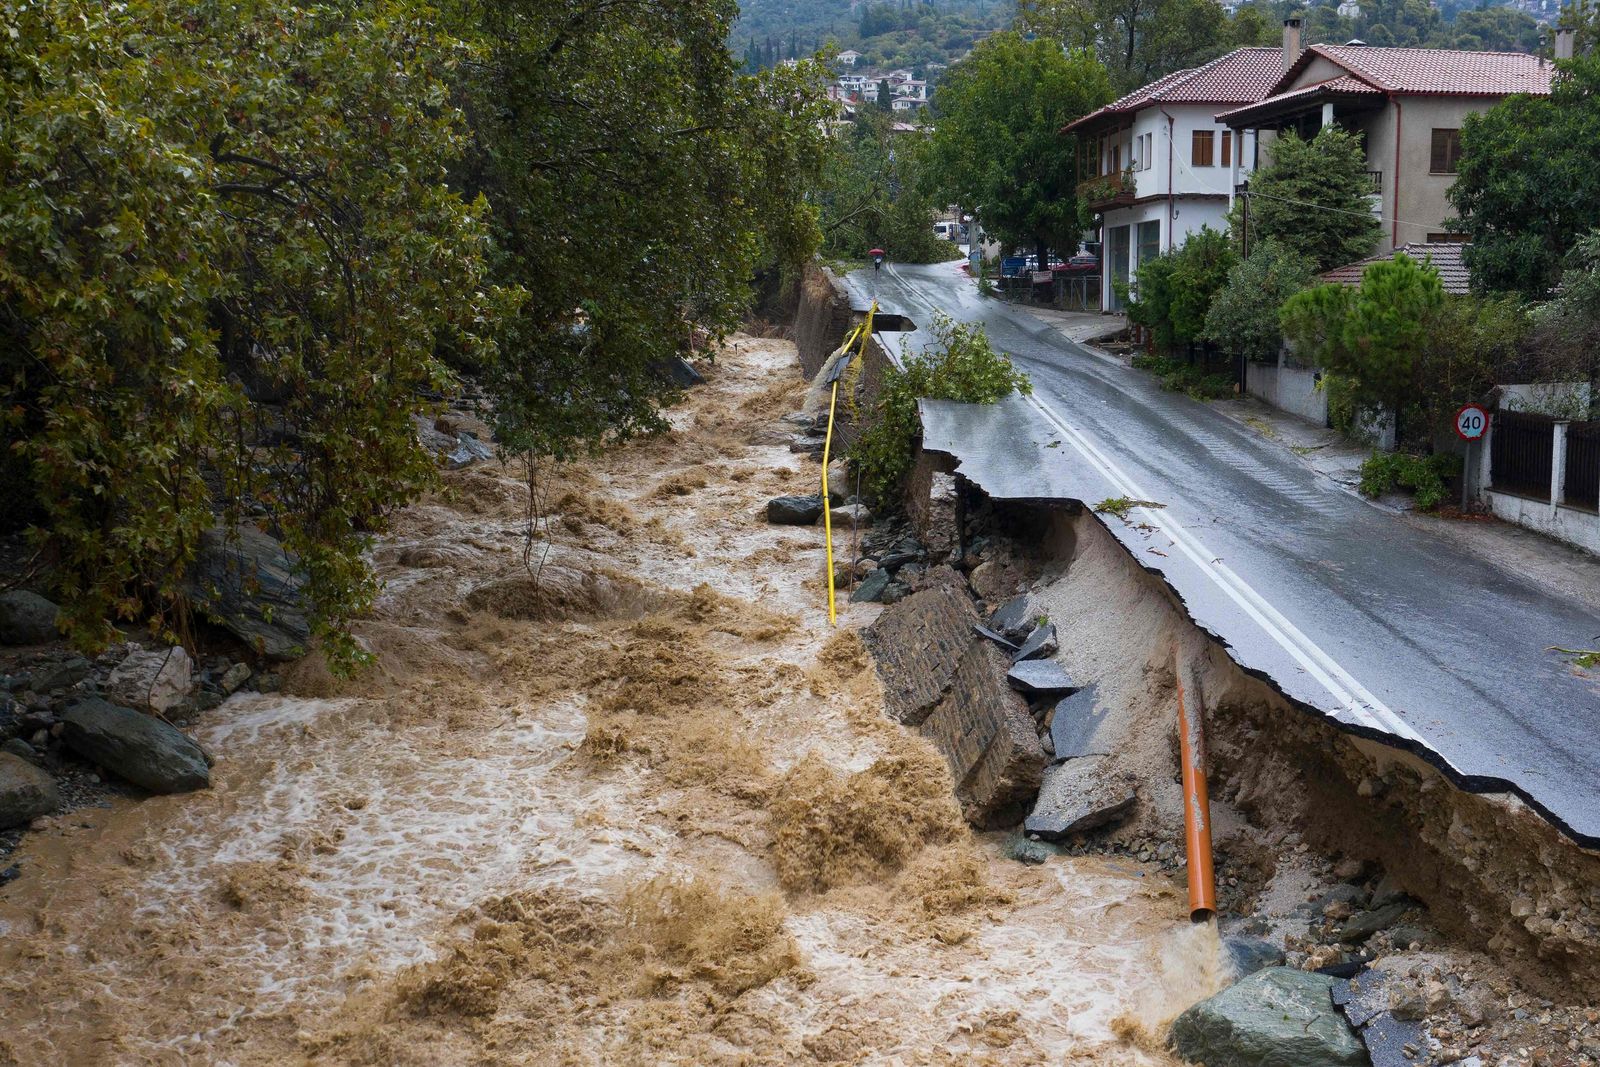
(889, 33)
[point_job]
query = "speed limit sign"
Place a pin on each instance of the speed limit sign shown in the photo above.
(1472, 422)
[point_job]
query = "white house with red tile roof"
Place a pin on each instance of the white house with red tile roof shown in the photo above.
(1156, 165)
(1408, 105)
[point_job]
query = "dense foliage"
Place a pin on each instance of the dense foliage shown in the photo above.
(872, 194)
(887, 33)
(1398, 344)
(1313, 200)
(961, 365)
(242, 245)
(1423, 475)
(1243, 317)
(1568, 326)
(1175, 290)
(1141, 40)
(997, 150)
(625, 234)
(1529, 183)
(225, 236)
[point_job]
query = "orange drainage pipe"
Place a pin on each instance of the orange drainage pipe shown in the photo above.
(1196, 799)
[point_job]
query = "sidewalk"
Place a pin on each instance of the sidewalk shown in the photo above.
(1081, 327)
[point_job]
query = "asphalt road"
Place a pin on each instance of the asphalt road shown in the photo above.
(1346, 607)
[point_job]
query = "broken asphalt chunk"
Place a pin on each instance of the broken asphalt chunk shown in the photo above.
(1079, 795)
(996, 638)
(871, 588)
(1040, 677)
(1366, 1001)
(1011, 619)
(1075, 728)
(1040, 643)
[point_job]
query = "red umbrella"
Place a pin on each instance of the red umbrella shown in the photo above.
(876, 252)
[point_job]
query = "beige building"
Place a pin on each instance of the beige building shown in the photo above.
(1407, 105)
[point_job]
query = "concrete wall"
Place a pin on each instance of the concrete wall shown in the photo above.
(1289, 388)
(1575, 526)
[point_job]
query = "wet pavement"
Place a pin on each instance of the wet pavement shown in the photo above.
(1390, 630)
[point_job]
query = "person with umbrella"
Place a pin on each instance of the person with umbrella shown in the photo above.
(877, 258)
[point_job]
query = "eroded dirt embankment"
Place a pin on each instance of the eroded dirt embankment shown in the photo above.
(644, 808)
(1504, 912)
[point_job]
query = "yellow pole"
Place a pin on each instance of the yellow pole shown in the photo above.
(827, 507)
(863, 332)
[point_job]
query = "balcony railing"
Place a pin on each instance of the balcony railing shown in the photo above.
(1375, 182)
(1108, 190)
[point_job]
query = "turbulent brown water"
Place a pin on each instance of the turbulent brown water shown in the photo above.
(643, 811)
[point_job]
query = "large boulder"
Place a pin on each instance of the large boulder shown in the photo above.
(1278, 1017)
(794, 510)
(250, 585)
(152, 679)
(26, 618)
(26, 792)
(140, 748)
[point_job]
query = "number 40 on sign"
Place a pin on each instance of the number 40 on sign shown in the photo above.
(1472, 422)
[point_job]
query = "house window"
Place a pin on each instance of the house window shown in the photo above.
(1116, 159)
(1149, 241)
(1149, 150)
(1448, 238)
(1203, 148)
(1446, 151)
(1227, 148)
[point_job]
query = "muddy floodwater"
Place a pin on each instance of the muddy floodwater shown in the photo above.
(644, 808)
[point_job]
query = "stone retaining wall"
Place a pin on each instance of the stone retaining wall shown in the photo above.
(940, 677)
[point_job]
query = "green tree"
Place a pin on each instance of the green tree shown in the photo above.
(1568, 326)
(1313, 199)
(960, 365)
(1176, 290)
(871, 194)
(625, 233)
(1141, 40)
(1528, 185)
(228, 260)
(997, 149)
(1244, 315)
(1373, 336)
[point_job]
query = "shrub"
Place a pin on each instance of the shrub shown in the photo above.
(1424, 475)
(1180, 377)
(962, 365)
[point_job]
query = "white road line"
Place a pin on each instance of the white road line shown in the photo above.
(1362, 705)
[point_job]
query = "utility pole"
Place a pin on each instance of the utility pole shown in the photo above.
(1244, 228)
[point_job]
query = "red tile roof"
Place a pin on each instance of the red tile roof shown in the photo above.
(1344, 85)
(1448, 259)
(1241, 76)
(1432, 71)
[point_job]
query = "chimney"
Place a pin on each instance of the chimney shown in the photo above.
(1291, 42)
(1564, 41)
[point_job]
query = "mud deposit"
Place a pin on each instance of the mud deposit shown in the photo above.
(645, 809)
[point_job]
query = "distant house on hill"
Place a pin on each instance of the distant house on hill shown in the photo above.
(1156, 165)
(1408, 105)
(849, 57)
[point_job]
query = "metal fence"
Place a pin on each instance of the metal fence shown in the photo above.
(1582, 485)
(1521, 450)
